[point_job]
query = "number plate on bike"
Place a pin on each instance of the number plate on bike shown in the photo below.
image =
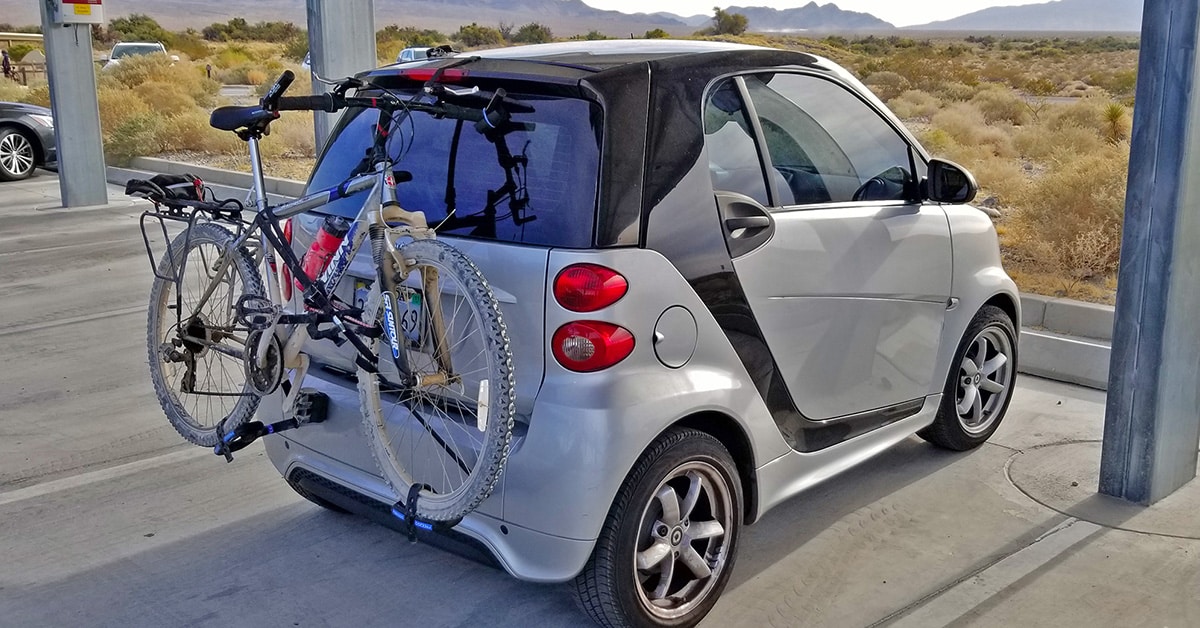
(410, 316)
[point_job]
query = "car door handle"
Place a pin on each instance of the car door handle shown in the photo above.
(747, 222)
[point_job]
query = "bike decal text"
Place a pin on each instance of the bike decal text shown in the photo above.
(389, 326)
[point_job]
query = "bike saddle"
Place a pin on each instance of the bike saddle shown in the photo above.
(235, 118)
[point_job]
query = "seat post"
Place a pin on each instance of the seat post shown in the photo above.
(260, 186)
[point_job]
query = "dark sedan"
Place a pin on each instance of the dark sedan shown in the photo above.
(26, 140)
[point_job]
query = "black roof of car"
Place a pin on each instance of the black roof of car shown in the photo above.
(577, 59)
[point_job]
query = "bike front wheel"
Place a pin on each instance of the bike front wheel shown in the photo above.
(446, 427)
(195, 343)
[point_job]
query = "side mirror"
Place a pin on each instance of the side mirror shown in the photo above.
(949, 182)
(103, 58)
(175, 58)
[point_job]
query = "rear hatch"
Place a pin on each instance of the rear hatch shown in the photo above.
(507, 214)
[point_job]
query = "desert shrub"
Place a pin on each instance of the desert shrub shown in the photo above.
(1117, 125)
(136, 135)
(190, 131)
(191, 45)
(38, 95)
(234, 56)
(136, 27)
(1000, 104)
(955, 91)
(657, 33)
(595, 35)
(118, 104)
(915, 104)
(11, 91)
(296, 48)
(887, 85)
(18, 51)
(136, 71)
(474, 35)
(1044, 144)
(166, 98)
(291, 136)
(533, 33)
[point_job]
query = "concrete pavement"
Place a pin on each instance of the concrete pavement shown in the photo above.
(108, 520)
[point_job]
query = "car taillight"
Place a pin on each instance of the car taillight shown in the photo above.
(588, 287)
(450, 75)
(587, 346)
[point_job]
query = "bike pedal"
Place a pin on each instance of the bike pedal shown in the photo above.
(312, 406)
(256, 312)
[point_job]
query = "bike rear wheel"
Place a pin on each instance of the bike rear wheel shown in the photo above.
(450, 437)
(195, 349)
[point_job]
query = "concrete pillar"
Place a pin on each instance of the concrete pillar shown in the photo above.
(1152, 422)
(72, 76)
(341, 42)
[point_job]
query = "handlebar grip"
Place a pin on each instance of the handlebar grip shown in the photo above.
(272, 98)
(318, 102)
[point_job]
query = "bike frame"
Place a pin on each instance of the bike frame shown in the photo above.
(373, 222)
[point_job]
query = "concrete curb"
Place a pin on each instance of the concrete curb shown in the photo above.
(1063, 340)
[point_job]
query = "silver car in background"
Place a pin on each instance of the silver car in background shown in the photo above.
(728, 273)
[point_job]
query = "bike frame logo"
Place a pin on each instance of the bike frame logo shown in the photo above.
(341, 259)
(389, 326)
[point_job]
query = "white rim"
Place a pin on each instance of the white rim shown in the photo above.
(16, 154)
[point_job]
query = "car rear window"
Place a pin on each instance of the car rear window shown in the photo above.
(556, 171)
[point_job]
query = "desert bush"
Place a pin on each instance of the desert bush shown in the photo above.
(191, 45)
(190, 131)
(166, 98)
(118, 104)
(18, 51)
(533, 33)
(136, 27)
(915, 104)
(887, 85)
(136, 135)
(234, 56)
(1117, 125)
(38, 95)
(136, 71)
(955, 91)
(1000, 104)
(11, 91)
(474, 35)
(657, 33)
(1046, 144)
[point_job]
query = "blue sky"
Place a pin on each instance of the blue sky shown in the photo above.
(898, 12)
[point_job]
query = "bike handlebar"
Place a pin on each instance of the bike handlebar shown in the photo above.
(317, 102)
(270, 101)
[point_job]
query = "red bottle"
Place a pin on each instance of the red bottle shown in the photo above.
(329, 238)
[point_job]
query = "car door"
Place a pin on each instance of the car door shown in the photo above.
(847, 273)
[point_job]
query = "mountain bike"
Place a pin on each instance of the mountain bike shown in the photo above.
(429, 344)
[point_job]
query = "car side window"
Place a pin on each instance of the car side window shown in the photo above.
(827, 144)
(733, 158)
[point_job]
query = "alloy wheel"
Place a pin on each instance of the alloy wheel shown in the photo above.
(683, 540)
(16, 154)
(984, 380)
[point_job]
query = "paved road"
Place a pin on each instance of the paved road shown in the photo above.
(240, 94)
(108, 520)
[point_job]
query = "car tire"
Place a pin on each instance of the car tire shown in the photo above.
(655, 517)
(980, 384)
(18, 155)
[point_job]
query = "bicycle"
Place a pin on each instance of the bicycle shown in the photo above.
(436, 388)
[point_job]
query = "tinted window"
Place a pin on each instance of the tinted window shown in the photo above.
(826, 143)
(733, 159)
(554, 169)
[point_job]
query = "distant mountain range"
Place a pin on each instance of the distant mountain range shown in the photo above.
(567, 17)
(1063, 15)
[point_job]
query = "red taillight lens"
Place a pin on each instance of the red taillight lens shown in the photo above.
(588, 287)
(424, 74)
(587, 346)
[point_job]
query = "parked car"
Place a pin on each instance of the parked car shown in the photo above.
(26, 140)
(125, 50)
(727, 273)
(412, 54)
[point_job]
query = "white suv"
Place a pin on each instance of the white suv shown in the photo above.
(133, 49)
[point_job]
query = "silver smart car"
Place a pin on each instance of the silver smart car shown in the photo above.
(728, 273)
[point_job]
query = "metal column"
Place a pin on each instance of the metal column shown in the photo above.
(72, 75)
(341, 42)
(1152, 422)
